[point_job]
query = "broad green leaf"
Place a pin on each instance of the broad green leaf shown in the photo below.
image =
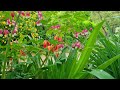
(101, 74)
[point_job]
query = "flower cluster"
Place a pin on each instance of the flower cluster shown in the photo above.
(77, 44)
(25, 14)
(59, 39)
(52, 47)
(82, 33)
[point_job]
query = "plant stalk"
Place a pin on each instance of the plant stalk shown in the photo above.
(7, 51)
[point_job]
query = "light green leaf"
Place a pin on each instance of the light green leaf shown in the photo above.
(101, 74)
(87, 50)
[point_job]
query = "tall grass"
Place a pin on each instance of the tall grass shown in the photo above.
(73, 68)
(108, 48)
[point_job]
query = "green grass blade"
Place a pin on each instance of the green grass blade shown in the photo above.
(87, 50)
(111, 49)
(108, 62)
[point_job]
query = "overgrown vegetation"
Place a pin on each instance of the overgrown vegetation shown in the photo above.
(59, 45)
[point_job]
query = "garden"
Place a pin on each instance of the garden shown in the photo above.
(59, 45)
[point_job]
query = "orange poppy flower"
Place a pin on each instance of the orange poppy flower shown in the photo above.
(59, 39)
(50, 47)
(56, 38)
(46, 43)
(55, 48)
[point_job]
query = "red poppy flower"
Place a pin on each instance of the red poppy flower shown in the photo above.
(55, 49)
(46, 43)
(50, 47)
(60, 39)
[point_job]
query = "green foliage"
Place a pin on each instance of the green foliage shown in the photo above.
(27, 56)
(88, 48)
(101, 74)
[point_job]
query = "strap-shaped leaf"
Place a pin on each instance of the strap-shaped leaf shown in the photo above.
(101, 74)
(87, 50)
(108, 62)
